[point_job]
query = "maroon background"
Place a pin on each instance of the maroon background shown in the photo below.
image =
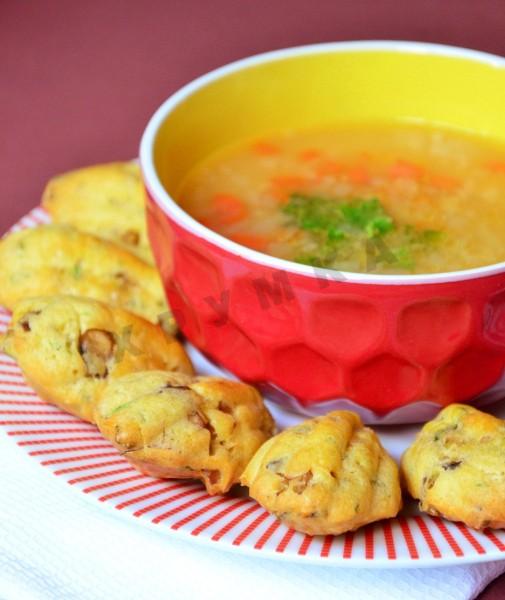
(79, 80)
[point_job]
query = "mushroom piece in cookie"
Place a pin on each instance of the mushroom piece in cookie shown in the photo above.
(455, 467)
(327, 475)
(107, 200)
(70, 348)
(57, 259)
(174, 426)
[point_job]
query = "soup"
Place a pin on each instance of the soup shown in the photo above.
(381, 198)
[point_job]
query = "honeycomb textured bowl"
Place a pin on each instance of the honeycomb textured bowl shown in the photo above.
(395, 347)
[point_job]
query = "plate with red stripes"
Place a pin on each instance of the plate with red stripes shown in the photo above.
(75, 452)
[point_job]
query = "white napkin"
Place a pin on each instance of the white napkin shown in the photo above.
(55, 543)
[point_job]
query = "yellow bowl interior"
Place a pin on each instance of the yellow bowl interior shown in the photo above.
(313, 90)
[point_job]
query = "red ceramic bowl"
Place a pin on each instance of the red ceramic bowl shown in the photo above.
(394, 347)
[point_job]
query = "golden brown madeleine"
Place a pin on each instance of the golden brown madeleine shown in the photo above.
(70, 348)
(106, 200)
(174, 426)
(455, 467)
(56, 259)
(325, 476)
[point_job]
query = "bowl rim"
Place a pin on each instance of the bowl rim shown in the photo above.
(168, 204)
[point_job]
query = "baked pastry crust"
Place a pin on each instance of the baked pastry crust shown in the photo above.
(57, 259)
(455, 467)
(174, 426)
(71, 348)
(327, 475)
(107, 200)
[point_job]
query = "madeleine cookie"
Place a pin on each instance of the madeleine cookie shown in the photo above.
(70, 348)
(174, 426)
(455, 467)
(105, 200)
(56, 259)
(325, 476)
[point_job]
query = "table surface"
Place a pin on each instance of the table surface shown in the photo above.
(79, 80)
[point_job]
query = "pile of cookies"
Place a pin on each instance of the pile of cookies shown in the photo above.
(90, 332)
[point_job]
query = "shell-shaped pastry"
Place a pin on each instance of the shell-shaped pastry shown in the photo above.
(173, 426)
(70, 348)
(107, 200)
(325, 476)
(455, 467)
(57, 259)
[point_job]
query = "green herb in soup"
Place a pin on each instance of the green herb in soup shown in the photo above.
(338, 218)
(382, 198)
(340, 229)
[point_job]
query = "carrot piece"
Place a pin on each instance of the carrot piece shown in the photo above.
(284, 185)
(496, 166)
(309, 154)
(254, 241)
(358, 174)
(403, 169)
(329, 167)
(265, 148)
(228, 209)
(289, 181)
(444, 182)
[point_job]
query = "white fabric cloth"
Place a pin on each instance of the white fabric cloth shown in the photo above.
(56, 544)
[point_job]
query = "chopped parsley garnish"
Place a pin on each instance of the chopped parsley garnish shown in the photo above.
(337, 230)
(334, 217)
(367, 215)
